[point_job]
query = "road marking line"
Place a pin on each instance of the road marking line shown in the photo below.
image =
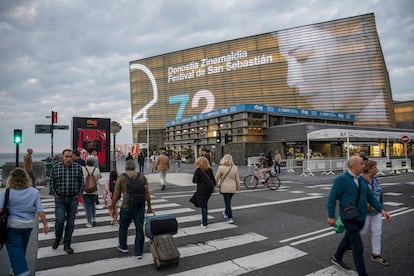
(333, 270)
(106, 228)
(121, 263)
(248, 263)
(306, 235)
(44, 252)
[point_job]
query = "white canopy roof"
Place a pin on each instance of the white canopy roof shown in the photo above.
(349, 133)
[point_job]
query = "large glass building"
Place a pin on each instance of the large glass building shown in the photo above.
(335, 67)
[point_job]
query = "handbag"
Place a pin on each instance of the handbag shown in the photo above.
(193, 199)
(4, 220)
(351, 211)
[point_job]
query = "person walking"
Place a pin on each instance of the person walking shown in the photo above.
(141, 162)
(277, 160)
(162, 165)
(108, 193)
(349, 190)
(24, 202)
(134, 190)
(206, 182)
(28, 165)
(77, 158)
(66, 183)
(89, 198)
(373, 222)
(228, 175)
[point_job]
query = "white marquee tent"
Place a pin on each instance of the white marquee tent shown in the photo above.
(348, 134)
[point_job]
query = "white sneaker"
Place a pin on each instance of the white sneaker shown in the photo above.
(100, 206)
(224, 215)
(89, 225)
(122, 250)
(203, 226)
(230, 221)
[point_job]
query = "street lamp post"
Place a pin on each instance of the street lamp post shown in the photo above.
(115, 128)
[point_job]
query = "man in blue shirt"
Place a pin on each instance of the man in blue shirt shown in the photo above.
(345, 190)
(66, 183)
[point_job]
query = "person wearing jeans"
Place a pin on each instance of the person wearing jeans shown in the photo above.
(89, 199)
(65, 210)
(348, 189)
(228, 175)
(66, 184)
(206, 182)
(127, 216)
(23, 204)
(132, 208)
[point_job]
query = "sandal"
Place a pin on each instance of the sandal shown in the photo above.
(379, 259)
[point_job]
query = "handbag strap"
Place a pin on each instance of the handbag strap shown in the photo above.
(359, 191)
(6, 199)
(211, 181)
(222, 180)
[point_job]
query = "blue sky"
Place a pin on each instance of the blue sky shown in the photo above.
(72, 56)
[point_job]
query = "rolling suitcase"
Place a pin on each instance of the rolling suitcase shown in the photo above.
(164, 251)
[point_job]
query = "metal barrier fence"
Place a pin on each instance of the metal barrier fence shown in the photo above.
(332, 166)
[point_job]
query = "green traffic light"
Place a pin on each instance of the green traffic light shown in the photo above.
(17, 138)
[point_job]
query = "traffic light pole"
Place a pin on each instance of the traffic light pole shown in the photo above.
(51, 135)
(17, 155)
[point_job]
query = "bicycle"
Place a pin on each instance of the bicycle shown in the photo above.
(272, 181)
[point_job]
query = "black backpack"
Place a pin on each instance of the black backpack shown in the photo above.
(135, 194)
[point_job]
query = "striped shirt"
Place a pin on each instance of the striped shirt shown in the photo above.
(66, 181)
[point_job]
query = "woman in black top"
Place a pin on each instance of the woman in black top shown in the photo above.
(206, 182)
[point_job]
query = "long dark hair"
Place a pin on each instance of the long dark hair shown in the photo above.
(113, 175)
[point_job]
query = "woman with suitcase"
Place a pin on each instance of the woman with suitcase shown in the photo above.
(206, 183)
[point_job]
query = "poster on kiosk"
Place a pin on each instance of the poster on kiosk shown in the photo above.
(93, 134)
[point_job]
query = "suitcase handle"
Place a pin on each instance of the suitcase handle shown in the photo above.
(153, 214)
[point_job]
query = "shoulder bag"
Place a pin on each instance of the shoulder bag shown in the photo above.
(351, 211)
(4, 219)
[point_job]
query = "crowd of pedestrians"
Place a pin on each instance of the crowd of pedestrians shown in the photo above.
(357, 187)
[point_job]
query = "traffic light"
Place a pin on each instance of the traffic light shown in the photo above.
(218, 138)
(17, 137)
(228, 138)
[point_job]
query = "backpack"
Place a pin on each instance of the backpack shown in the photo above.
(90, 182)
(135, 194)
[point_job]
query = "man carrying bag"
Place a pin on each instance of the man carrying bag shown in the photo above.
(353, 198)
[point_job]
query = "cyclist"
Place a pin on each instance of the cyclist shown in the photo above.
(266, 164)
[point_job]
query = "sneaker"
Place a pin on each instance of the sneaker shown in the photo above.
(379, 259)
(55, 244)
(89, 225)
(100, 206)
(68, 249)
(122, 250)
(224, 215)
(340, 264)
(139, 257)
(230, 221)
(203, 226)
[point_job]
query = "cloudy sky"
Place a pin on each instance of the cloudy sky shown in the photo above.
(72, 56)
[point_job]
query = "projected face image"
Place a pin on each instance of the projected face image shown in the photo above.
(326, 71)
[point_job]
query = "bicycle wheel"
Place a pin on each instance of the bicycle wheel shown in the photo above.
(251, 181)
(273, 182)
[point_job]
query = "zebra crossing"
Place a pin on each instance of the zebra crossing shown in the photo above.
(95, 253)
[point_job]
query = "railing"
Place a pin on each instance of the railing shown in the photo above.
(331, 166)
